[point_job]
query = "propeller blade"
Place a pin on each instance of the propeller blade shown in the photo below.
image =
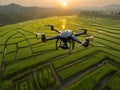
(38, 33)
(52, 27)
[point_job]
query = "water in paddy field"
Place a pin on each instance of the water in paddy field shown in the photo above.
(64, 21)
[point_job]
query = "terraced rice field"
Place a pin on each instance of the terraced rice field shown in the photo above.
(28, 64)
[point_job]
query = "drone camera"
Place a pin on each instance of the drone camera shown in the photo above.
(64, 46)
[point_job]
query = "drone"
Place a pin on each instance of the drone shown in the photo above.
(65, 37)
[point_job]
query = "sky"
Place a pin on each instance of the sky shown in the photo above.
(60, 3)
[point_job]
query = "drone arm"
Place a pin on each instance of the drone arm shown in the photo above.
(75, 39)
(56, 31)
(52, 38)
(78, 34)
(44, 39)
(84, 32)
(53, 29)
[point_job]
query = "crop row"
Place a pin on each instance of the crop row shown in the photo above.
(88, 82)
(40, 78)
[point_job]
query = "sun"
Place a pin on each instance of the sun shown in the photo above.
(64, 4)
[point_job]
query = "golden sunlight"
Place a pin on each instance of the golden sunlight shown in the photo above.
(64, 4)
(63, 23)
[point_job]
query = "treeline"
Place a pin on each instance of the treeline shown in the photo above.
(99, 13)
(13, 17)
(14, 13)
(115, 13)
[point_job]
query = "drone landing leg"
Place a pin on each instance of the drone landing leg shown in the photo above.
(70, 48)
(57, 44)
(73, 44)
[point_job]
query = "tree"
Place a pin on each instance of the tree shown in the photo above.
(112, 13)
(119, 13)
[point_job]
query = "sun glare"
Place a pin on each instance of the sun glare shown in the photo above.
(64, 4)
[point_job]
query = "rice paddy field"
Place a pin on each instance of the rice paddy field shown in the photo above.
(28, 64)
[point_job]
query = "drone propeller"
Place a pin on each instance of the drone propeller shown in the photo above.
(52, 27)
(38, 33)
(90, 37)
(82, 29)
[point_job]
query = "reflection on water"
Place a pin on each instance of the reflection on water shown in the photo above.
(63, 26)
(64, 23)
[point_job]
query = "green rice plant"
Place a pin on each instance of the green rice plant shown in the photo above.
(24, 83)
(88, 82)
(33, 41)
(23, 86)
(31, 36)
(10, 58)
(11, 48)
(24, 52)
(23, 44)
(108, 30)
(3, 32)
(5, 37)
(40, 44)
(5, 85)
(36, 80)
(67, 72)
(111, 52)
(114, 84)
(48, 76)
(41, 80)
(7, 27)
(15, 40)
(1, 55)
(18, 35)
(45, 77)
(113, 57)
(73, 57)
(32, 61)
(44, 48)
(1, 48)
(110, 39)
(108, 43)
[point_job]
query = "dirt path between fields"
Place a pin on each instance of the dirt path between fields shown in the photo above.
(88, 70)
(104, 81)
